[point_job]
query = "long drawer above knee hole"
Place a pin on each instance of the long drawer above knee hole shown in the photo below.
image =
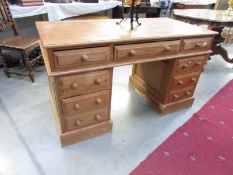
(146, 50)
(68, 59)
(84, 83)
(85, 103)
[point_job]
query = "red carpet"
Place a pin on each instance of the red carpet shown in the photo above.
(202, 146)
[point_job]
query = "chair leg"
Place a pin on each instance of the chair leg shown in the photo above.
(31, 76)
(6, 70)
(29, 68)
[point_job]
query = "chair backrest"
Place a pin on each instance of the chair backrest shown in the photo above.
(6, 20)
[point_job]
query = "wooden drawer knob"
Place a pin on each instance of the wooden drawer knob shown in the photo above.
(184, 66)
(187, 93)
(198, 63)
(167, 48)
(74, 85)
(97, 81)
(194, 80)
(98, 117)
(175, 96)
(132, 52)
(78, 122)
(199, 45)
(180, 82)
(77, 106)
(84, 58)
(98, 101)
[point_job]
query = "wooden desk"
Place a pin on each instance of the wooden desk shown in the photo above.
(215, 19)
(168, 58)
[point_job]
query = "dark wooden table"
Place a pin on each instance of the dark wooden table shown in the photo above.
(180, 5)
(215, 19)
(151, 11)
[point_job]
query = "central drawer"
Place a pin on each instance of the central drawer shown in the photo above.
(84, 83)
(146, 50)
(84, 103)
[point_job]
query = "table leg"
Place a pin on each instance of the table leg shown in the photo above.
(217, 48)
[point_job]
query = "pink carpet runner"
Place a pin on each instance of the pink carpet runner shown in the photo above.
(202, 146)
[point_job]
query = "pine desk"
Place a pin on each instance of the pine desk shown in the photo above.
(168, 58)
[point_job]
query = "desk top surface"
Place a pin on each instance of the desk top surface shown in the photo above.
(105, 31)
(205, 14)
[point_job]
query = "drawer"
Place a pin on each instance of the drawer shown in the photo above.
(191, 64)
(198, 44)
(149, 50)
(84, 83)
(85, 103)
(81, 57)
(183, 81)
(179, 95)
(86, 119)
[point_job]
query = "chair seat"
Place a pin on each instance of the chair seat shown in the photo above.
(19, 42)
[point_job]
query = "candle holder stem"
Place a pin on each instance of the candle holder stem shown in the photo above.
(131, 12)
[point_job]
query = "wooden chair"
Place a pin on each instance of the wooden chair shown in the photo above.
(17, 43)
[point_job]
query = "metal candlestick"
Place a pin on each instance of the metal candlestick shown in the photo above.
(131, 12)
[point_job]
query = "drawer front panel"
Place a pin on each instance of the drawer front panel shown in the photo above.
(134, 51)
(84, 83)
(85, 103)
(81, 57)
(184, 81)
(179, 95)
(197, 44)
(86, 119)
(191, 64)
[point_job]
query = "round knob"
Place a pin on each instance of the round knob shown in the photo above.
(78, 122)
(77, 106)
(167, 48)
(74, 85)
(97, 117)
(194, 79)
(97, 81)
(180, 82)
(188, 93)
(185, 66)
(98, 101)
(175, 96)
(132, 53)
(84, 58)
(199, 45)
(198, 63)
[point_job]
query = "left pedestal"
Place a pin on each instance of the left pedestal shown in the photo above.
(82, 104)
